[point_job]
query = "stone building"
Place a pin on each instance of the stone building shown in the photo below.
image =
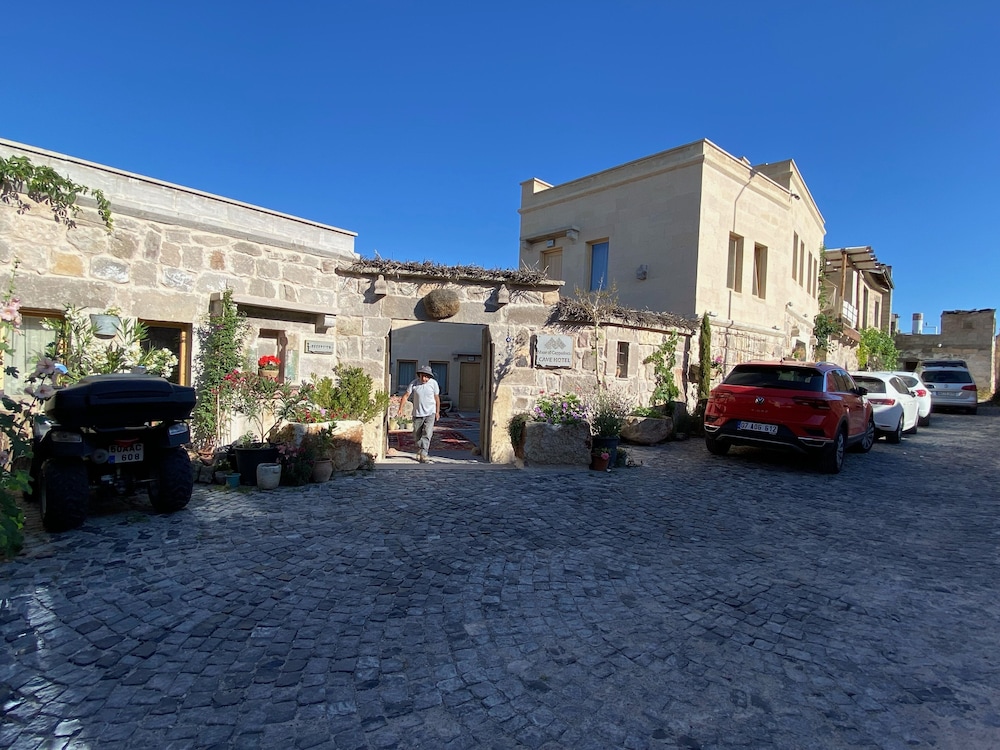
(965, 334)
(309, 298)
(691, 230)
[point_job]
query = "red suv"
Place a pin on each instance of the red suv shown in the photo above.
(814, 408)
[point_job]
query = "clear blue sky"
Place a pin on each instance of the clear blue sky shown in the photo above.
(413, 124)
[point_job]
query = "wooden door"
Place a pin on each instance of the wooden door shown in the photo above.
(468, 386)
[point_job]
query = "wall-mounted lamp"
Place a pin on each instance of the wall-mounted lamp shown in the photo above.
(788, 304)
(503, 295)
(776, 328)
(796, 196)
(642, 272)
(381, 287)
(572, 235)
(711, 314)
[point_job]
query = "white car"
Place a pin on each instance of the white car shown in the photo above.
(896, 409)
(919, 389)
(951, 387)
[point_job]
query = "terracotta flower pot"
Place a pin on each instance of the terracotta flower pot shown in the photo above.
(271, 373)
(599, 463)
(322, 470)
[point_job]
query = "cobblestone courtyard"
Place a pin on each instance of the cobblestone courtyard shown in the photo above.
(692, 602)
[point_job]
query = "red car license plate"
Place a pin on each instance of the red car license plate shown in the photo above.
(124, 454)
(770, 429)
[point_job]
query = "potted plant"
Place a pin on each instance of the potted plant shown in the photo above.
(319, 446)
(264, 403)
(268, 366)
(600, 460)
(608, 408)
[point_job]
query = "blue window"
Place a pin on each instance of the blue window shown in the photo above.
(440, 370)
(406, 374)
(598, 266)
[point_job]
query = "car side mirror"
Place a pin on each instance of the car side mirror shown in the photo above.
(861, 390)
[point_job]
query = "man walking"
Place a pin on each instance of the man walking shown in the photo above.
(426, 398)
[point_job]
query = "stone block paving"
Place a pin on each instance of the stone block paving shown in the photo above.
(743, 601)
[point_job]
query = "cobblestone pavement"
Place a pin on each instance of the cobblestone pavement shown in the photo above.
(692, 602)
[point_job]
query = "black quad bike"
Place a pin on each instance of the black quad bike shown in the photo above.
(113, 435)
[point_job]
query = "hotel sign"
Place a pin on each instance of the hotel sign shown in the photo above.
(553, 351)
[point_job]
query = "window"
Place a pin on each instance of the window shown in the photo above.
(29, 344)
(864, 307)
(273, 342)
(440, 370)
(877, 318)
(406, 373)
(759, 271)
(734, 272)
(177, 338)
(598, 266)
(552, 264)
(621, 364)
(795, 255)
(802, 263)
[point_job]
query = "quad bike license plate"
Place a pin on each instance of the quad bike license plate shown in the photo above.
(124, 453)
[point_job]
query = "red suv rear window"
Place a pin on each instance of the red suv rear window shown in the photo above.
(769, 376)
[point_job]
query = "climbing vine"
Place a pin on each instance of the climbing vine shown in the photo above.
(18, 176)
(705, 357)
(664, 359)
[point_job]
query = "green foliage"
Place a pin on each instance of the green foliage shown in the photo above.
(705, 357)
(608, 408)
(18, 176)
(348, 395)
(264, 401)
(77, 347)
(646, 411)
(222, 340)
(515, 427)
(877, 350)
(16, 420)
(664, 359)
(825, 326)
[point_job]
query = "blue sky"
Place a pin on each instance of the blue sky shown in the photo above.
(413, 124)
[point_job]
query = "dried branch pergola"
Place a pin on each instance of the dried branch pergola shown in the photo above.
(577, 311)
(429, 270)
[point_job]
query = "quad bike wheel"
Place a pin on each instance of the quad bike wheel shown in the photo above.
(173, 482)
(63, 492)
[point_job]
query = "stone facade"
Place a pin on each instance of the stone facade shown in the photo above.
(174, 251)
(965, 334)
(669, 221)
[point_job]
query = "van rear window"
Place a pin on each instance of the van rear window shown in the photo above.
(946, 376)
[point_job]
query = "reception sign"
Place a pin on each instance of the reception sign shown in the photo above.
(553, 351)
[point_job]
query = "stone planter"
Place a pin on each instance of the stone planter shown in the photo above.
(547, 444)
(268, 476)
(248, 459)
(271, 373)
(647, 430)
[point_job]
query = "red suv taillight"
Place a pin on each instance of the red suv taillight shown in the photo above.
(815, 403)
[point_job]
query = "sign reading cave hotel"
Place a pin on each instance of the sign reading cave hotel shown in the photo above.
(553, 351)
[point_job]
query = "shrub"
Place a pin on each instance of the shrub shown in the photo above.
(515, 427)
(608, 408)
(350, 396)
(559, 408)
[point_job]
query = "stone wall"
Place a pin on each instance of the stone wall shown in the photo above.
(965, 334)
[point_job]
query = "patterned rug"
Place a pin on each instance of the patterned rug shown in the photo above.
(442, 440)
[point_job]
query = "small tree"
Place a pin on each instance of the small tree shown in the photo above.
(877, 350)
(222, 343)
(705, 358)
